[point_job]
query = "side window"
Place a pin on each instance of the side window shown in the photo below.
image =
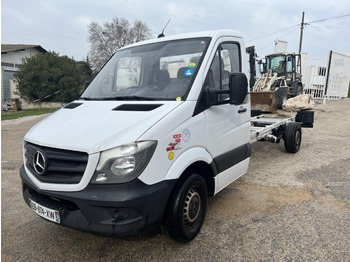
(225, 62)
(289, 64)
(231, 57)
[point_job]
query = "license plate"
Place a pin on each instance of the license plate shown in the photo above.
(47, 213)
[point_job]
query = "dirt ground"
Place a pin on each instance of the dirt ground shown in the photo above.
(288, 207)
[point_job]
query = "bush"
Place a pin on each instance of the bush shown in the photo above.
(47, 73)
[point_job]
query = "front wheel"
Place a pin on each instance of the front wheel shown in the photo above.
(186, 209)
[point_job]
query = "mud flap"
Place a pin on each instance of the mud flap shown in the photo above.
(306, 118)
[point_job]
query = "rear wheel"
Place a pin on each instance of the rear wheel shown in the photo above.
(186, 209)
(281, 95)
(299, 90)
(292, 137)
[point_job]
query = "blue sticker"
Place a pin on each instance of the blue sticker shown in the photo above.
(188, 72)
(186, 135)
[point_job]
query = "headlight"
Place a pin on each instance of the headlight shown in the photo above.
(123, 163)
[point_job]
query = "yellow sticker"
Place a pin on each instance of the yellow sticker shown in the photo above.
(171, 155)
(178, 98)
(192, 65)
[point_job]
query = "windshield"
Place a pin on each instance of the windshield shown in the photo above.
(277, 64)
(160, 71)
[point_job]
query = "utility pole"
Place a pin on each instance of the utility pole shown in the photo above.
(301, 32)
(301, 39)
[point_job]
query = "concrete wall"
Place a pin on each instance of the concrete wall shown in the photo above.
(26, 106)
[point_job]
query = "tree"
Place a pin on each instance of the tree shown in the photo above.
(107, 39)
(47, 73)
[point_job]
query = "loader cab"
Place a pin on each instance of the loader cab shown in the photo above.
(284, 64)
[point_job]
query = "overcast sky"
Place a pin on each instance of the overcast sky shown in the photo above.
(62, 25)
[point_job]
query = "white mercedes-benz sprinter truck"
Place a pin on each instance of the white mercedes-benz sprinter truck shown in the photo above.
(164, 125)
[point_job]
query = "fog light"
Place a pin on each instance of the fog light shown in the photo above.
(101, 177)
(120, 215)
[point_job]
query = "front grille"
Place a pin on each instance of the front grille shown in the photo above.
(53, 203)
(62, 166)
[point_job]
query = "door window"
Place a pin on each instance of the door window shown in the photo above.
(225, 62)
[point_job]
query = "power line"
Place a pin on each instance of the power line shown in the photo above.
(271, 43)
(273, 33)
(326, 19)
(308, 23)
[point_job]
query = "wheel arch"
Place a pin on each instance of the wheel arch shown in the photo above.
(293, 88)
(296, 83)
(201, 163)
(206, 171)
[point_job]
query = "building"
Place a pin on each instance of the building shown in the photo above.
(11, 57)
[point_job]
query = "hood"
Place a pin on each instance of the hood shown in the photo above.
(94, 126)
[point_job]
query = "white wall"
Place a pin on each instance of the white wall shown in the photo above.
(15, 57)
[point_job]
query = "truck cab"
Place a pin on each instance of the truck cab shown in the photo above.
(162, 127)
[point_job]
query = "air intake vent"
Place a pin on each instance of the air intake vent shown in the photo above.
(137, 107)
(72, 105)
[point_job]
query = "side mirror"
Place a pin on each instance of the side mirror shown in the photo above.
(238, 88)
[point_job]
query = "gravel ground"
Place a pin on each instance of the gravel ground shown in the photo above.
(288, 207)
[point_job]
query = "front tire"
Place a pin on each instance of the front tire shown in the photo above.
(186, 209)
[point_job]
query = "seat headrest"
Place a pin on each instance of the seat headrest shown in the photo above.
(162, 76)
(181, 73)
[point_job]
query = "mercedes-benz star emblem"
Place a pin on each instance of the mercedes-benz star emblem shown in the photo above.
(39, 163)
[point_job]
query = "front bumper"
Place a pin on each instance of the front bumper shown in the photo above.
(120, 210)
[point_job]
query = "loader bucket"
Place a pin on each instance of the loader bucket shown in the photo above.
(264, 101)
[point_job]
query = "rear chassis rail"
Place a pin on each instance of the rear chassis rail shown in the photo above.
(268, 128)
(273, 129)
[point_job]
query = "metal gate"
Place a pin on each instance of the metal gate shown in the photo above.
(327, 78)
(338, 76)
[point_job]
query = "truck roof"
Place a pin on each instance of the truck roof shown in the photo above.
(211, 34)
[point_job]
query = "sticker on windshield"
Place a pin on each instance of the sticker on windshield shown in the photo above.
(178, 98)
(192, 65)
(188, 72)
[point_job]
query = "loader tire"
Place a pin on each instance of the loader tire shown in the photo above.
(299, 90)
(281, 96)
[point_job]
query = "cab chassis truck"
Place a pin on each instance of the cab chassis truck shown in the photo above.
(147, 149)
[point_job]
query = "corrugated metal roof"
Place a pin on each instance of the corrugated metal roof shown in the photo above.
(10, 48)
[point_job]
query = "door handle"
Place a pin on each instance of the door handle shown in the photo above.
(242, 110)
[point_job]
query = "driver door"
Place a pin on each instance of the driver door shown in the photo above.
(227, 125)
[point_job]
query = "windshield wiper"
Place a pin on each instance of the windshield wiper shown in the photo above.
(140, 98)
